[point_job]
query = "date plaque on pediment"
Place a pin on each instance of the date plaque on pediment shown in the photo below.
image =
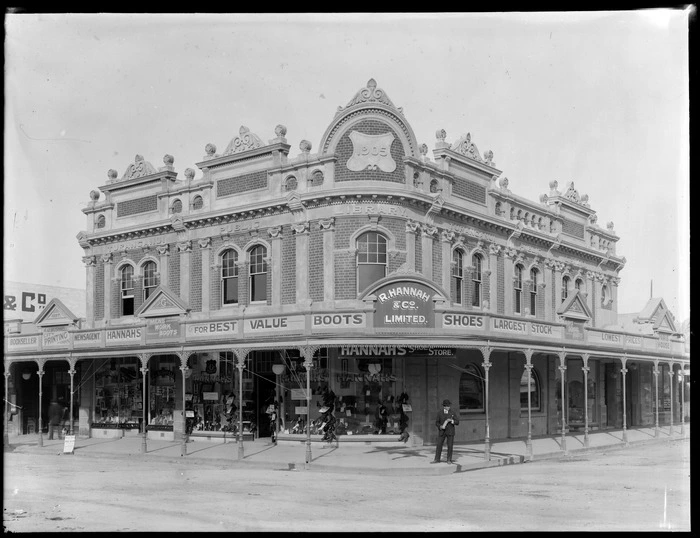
(371, 152)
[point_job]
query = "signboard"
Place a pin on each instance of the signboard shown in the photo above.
(160, 330)
(298, 394)
(372, 351)
(338, 321)
(27, 301)
(463, 322)
(22, 343)
(55, 338)
(510, 326)
(213, 329)
(635, 341)
(371, 152)
(210, 396)
(573, 330)
(404, 305)
(300, 410)
(120, 337)
(87, 339)
(274, 324)
(68, 444)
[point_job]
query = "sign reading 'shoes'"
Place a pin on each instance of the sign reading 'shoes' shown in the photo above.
(404, 305)
(371, 152)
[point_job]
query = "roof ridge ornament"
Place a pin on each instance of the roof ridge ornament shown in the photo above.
(246, 141)
(139, 168)
(370, 94)
(465, 146)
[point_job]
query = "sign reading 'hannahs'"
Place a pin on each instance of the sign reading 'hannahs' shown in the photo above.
(119, 337)
(404, 305)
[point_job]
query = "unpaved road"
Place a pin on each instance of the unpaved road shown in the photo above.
(643, 488)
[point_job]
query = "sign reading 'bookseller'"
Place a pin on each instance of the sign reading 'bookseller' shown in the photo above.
(404, 305)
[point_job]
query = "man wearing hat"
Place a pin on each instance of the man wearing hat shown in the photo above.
(446, 421)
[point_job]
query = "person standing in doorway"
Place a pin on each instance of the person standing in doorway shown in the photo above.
(55, 416)
(446, 421)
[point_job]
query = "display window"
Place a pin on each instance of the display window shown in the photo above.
(161, 392)
(211, 403)
(118, 394)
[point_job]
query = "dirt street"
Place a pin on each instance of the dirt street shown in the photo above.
(642, 488)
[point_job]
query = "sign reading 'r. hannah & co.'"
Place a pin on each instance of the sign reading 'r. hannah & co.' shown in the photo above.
(404, 305)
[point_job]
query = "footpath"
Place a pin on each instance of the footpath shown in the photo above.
(349, 457)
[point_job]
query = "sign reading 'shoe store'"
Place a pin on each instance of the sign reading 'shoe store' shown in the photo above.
(404, 305)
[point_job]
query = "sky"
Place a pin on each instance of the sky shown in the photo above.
(597, 98)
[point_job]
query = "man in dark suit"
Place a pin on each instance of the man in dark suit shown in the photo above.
(446, 421)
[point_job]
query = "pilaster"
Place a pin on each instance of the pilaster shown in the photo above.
(328, 229)
(301, 233)
(205, 247)
(275, 235)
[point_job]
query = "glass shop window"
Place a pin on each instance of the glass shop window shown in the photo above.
(161, 396)
(471, 389)
(118, 394)
(534, 391)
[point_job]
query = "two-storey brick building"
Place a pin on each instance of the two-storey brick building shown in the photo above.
(382, 270)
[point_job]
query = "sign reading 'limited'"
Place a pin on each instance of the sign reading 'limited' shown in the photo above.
(404, 305)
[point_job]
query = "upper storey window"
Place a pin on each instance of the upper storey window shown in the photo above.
(127, 290)
(101, 221)
(457, 275)
(476, 280)
(533, 291)
(518, 286)
(565, 284)
(579, 285)
(258, 274)
(229, 277)
(150, 279)
(198, 202)
(371, 259)
(177, 206)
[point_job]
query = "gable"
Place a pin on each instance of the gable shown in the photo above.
(55, 314)
(574, 307)
(162, 302)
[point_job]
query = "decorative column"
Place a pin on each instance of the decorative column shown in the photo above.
(585, 368)
(562, 370)
(528, 368)
(163, 268)
(205, 247)
(656, 373)
(328, 228)
(301, 232)
(670, 375)
(548, 268)
(241, 354)
(184, 355)
(71, 372)
(623, 370)
(6, 435)
(275, 235)
(446, 239)
(185, 250)
(427, 234)
(508, 265)
(486, 365)
(90, 263)
(308, 354)
(412, 228)
(494, 252)
(144, 357)
(107, 285)
(40, 373)
(558, 269)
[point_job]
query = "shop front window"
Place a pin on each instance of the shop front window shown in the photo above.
(118, 394)
(534, 389)
(211, 394)
(471, 390)
(161, 396)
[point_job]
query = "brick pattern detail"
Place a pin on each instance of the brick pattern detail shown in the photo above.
(289, 266)
(136, 206)
(437, 263)
(244, 183)
(345, 276)
(317, 263)
(396, 262)
(174, 270)
(486, 287)
(469, 190)
(99, 291)
(500, 307)
(573, 228)
(138, 293)
(344, 150)
(553, 293)
(419, 254)
(196, 279)
(116, 307)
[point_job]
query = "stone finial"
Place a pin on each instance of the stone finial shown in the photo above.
(440, 135)
(210, 149)
(593, 219)
(543, 198)
(424, 152)
(168, 160)
(584, 200)
(611, 226)
(488, 157)
(280, 131)
(95, 195)
(112, 174)
(189, 173)
(553, 188)
(503, 183)
(305, 146)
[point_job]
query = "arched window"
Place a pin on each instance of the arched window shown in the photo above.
(476, 280)
(533, 291)
(197, 203)
(579, 285)
(457, 275)
(127, 290)
(177, 206)
(535, 393)
(150, 279)
(518, 286)
(604, 295)
(433, 185)
(371, 259)
(101, 221)
(258, 274)
(290, 184)
(565, 283)
(229, 277)
(471, 389)
(317, 178)
(497, 209)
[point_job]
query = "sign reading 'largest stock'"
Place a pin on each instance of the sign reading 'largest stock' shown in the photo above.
(404, 305)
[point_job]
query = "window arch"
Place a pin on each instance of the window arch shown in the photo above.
(535, 391)
(457, 275)
(579, 285)
(177, 206)
(497, 209)
(477, 263)
(258, 273)
(371, 259)
(150, 279)
(433, 185)
(198, 202)
(229, 277)
(604, 295)
(290, 184)
(518, 286)
(127, 290)
(565, 283)
(534, 274)
(471, 390)
(101, 221)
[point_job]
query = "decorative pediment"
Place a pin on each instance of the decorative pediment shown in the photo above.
(370, 94)
(55, 314)
(162, 302)
(465, 146)
(657, 313)
(139, 168)
(574, 307)
(246, 141)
